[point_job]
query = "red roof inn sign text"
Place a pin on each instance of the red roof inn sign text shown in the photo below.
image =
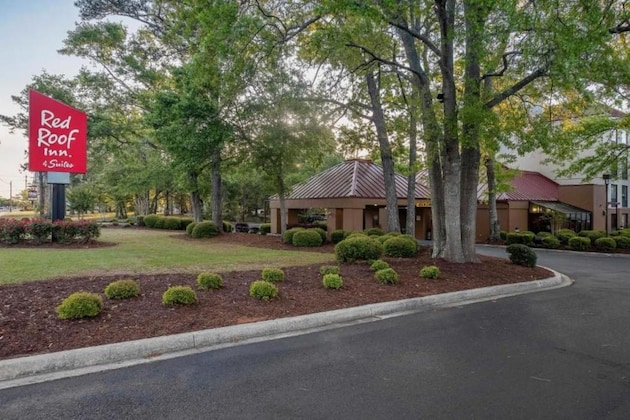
(57, 136)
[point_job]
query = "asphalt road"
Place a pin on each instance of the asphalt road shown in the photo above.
(559, 354)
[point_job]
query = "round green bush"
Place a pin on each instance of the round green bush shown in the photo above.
(184, 222)
(273, 275)
(379, 265)
(265, 228)
(625, 232)
(593, 235)
(227, 226)
(623, 242)
(338, 235)
(329, 269)
(150, 220)
(544, 234)
(263, 290)
(605, 244)
(332, 281)
(80, 305)
(307, 238)
(579, 243)
(400, 246)
(550, 242)
(387, 276)
(321, 233)
(287, 236)
(190, 228)
(171, 223)
(122, 289)
(205, 230)
(564, 235)
(358, 247)
(430, 272)
(159, 222)
(521, 254)
(140, 220)
(525, 238)
(355, 234)
(209, 281)
(503, 235)
(182, 295)
(374, 231)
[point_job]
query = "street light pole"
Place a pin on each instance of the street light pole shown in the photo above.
(606, 178)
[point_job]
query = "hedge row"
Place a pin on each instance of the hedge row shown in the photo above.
(582, 241)
(13, 231)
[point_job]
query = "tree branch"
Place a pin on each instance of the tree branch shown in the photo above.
(500, 97)
(504, 58)
(382, 60)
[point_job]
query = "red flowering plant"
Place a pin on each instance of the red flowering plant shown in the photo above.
(39, 229)
(84, 231)
(12, 231)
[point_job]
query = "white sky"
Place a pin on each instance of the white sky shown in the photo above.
(31, 32)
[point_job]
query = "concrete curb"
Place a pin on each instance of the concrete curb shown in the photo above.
(152, 348)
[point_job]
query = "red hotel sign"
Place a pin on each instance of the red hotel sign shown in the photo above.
(57, 136)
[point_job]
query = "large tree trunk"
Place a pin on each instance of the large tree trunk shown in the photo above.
(410, 227)
(154, 202)
(217, 214)
(378, 118)
(283, 205)
(195, 197)
(495, 227)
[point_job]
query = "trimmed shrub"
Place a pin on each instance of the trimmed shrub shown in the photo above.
(332, 281)
(122, 289)
(80, 305)
(358, 248)
(387, 276)
(227, 226)
(39, 229)
(287, 236)
(205, 230)
(209, 281)
(605, 244)
(140, 220)
(400, 246)
(190, 228)
(550, 242)
(430, 272)
(328, 269)
(273, 275)
(159, 222)
(625, 232)
(544, 234)
(265, 228)
(171, 223)
(593, 235)
(338, 235)
(355, 234)
(263, 290)
(522, 255)
(184, 222)
(182, 295)
(307, 238)
(564, 235)
(12, 231)
(374, 231)
(150, 220)
(623, 242)
(379, 265)
(321, 233)
(579, 243)
(525, 238)
(503, 235)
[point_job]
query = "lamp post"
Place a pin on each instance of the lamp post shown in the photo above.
(606, 178)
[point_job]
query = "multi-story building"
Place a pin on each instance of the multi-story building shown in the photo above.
(606, 195)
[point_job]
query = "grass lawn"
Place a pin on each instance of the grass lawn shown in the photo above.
(144, 251)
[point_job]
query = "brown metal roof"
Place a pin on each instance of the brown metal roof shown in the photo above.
(526, 186)
(357, 178)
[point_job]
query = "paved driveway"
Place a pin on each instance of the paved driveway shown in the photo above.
(558, 354)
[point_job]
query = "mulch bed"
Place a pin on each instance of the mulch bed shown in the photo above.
(29, 324)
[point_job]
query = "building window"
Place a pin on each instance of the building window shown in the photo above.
(624, 196)
(613, 193)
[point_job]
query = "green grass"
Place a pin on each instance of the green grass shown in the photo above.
(144, 251)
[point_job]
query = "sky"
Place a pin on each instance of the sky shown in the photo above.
(31, 32)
